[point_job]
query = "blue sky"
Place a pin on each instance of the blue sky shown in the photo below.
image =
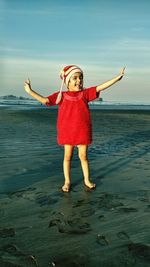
(38, 38)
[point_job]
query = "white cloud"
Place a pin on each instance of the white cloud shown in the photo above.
(7, 49)
(124, 45)
(134, 45)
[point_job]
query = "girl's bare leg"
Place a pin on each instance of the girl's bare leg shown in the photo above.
(82, 152)
(68, 152)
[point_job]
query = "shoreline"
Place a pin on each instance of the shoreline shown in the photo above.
(116, 106)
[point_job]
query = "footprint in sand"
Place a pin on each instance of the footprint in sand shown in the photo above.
(73, 225)
(102, 240)
(14, 254)
(102, 218)
(123, 235)
(140, 250)
(7, 232)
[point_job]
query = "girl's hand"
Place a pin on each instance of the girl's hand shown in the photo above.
(121, 73)
(27, 86)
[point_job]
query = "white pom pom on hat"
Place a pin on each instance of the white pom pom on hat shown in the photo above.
(65, 75)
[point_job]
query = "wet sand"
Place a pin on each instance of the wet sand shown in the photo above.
(41, 226)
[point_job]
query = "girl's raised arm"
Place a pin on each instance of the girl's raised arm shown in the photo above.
(28, 89)
(111, 82)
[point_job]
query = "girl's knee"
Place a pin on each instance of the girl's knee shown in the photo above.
(68, 152)
(82, 156)
(67, 157)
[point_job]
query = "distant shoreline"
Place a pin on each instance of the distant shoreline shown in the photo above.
(35, 105)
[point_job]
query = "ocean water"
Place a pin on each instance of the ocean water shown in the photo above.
(25, 104)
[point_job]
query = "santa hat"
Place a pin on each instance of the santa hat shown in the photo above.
(65, 75)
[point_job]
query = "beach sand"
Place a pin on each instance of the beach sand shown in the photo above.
(42, 226)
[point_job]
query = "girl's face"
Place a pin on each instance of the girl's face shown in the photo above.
(76, 82)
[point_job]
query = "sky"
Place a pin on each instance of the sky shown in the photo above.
(39, 37)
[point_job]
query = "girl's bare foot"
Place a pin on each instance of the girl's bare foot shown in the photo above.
(66, 187)
(89, 184)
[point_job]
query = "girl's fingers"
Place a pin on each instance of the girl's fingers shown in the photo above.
(121, 73)
(123, 70)
(27, 82)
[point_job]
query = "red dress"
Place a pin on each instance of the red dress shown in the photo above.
(74, 125)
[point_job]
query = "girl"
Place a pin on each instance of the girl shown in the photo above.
(74, 122)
